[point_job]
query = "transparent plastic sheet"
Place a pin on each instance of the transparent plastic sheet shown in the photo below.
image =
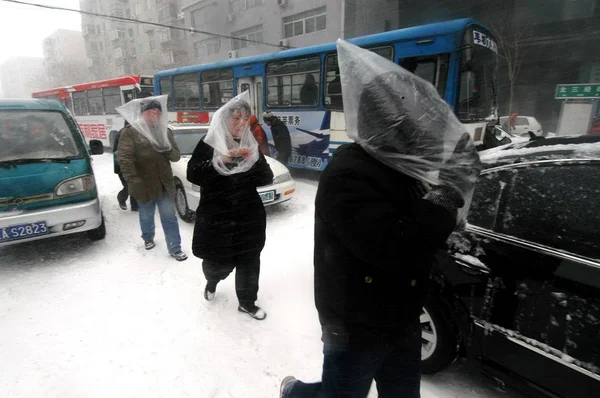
(150, 118)
(401, 120)
(236, 149)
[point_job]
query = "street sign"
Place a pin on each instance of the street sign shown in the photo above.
(577, 91)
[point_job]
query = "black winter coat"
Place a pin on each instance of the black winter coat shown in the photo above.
(230, 219)
(281, 137)
(375, 239)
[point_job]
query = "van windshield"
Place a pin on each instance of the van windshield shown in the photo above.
(36, 135)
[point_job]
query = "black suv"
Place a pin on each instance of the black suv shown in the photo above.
(520, 287)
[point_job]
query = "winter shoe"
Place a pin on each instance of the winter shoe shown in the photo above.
(149, 244)
(123, 205)
(253, 310)
(209, 292)
(286, 386)
(179, 256)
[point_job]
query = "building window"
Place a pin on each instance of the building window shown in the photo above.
(152, 45)
(200, 17)
(254, 33)
(130, 31)
(217, 87)
(240, 5)
(143, 48)
(133, 51)
(305, 22)
(293, 82)
(186, 89)
(207, 47)
(165, 88)
(118, 53)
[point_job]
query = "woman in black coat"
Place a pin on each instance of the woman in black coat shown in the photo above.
(231, 219)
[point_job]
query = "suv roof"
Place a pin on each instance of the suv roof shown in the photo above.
(571, 147)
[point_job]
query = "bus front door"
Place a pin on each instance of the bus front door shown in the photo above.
(254, 86)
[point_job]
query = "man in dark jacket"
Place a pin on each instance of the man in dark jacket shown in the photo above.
(123, 193)
(281, 136)
(230, 220)
(377, 229)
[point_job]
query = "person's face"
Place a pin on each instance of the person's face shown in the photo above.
(37, 131)
(152, 116)
(238, 122)
(268, 123)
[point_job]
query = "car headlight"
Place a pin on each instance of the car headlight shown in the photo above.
(74, 186)
(282, 178)
(196, 187)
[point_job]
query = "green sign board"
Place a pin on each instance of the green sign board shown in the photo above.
(577, 91)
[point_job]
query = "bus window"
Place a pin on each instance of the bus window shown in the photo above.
(217, 87)
(333, 84)
(294, 82)
(112, 99)
(165, 88)
(477, 95)
(80, 104)
(433, 68)
(187, 91)
(95, 102)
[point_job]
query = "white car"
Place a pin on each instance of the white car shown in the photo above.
(187, 137)
(523, 125)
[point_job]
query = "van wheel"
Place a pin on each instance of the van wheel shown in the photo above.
(98, 233)
(440, 339)
(181, 204)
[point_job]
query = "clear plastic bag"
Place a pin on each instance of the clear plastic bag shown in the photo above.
(150, 118)
(236, 149)
(401, 120)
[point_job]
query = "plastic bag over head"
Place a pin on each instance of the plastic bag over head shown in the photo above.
(150, 118)
(401, 120)
(236, 150)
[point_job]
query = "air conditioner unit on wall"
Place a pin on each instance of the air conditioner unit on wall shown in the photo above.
(232, 54)
(180, 16)
(281, 3)
(284, 43)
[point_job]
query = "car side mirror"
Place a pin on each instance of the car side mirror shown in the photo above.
(96, 147)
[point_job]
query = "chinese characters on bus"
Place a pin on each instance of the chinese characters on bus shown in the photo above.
(290, 120)
(93, 131)
(485, 41)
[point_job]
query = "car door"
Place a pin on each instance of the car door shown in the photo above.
(521, 125)
(541, 307)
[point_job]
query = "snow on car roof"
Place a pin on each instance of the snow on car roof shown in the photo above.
(578, 147)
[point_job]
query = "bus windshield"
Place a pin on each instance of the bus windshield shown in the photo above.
(36, 135)
(477, 98)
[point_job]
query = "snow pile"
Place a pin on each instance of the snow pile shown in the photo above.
(591, 151)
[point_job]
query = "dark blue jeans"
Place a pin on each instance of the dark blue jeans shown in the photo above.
(349, 372)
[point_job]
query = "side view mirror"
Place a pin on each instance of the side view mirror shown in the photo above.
(96, 147)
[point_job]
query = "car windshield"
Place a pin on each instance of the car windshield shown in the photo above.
(187, 139)
(36, 135)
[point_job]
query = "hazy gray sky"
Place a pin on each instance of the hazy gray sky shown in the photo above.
(22, 28)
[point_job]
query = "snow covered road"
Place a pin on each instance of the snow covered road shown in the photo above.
(110, 319)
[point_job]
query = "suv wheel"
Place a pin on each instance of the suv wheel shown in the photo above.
(439, 336)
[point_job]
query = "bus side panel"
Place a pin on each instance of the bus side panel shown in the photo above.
(102, 127)
(310, 133)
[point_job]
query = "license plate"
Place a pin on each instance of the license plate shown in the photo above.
(15, 232)
(267, 196)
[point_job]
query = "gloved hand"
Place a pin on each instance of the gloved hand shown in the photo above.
(457, 176)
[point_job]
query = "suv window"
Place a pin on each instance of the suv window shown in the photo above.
(556, 206)
(486, 200)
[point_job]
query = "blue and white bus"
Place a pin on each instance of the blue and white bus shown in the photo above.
(458, 57)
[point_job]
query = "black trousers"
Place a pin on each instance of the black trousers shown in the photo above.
(124, 193)
(247, 271)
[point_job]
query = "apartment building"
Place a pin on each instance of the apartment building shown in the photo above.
(64, 57)
(117, 48)
(280, 23)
